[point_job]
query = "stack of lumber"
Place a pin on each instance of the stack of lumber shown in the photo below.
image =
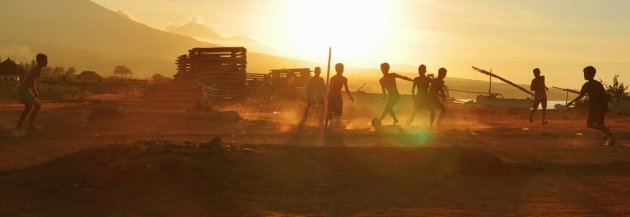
(222, 68)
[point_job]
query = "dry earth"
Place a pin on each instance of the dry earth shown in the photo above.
(123, 159)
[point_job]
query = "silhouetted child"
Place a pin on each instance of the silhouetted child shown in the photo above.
(420, 92)
(436, 92)
(335, 101)
(390, 91)
(28, 93)
(598, 99)
(540, 95)
(315, 89)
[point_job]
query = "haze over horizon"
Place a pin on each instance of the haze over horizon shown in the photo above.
(511, 37)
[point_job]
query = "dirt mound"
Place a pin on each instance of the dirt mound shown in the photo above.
(165, 177)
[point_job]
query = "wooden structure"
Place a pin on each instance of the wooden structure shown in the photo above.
(297, 77)
(492, 98)
(257, 80)
(224, 68)
(492, 75)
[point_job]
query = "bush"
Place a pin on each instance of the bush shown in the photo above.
(8, 90)
(58, 92)
(617, 88)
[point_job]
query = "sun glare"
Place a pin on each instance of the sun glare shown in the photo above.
(355, 28)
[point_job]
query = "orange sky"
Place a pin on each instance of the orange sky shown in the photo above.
(511, 37)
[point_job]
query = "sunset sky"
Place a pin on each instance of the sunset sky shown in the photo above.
(511, 37)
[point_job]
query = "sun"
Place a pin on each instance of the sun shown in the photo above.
(354, 28)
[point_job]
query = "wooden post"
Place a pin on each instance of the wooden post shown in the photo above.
(328, 71)
(490, 86)
(325, 116)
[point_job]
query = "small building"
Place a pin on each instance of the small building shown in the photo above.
(88, 76)
(10, 71)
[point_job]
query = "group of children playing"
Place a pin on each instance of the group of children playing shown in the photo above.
(428, 94)
(598, 101)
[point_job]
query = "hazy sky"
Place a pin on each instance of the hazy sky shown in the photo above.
(511, 37)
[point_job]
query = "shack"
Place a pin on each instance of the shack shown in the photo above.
(10, 71)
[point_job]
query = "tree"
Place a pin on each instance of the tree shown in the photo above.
(617, 88)
(69, 74)
(158, 79)
(46, 72)
(122, 71)
(57, 72)
(25, 66)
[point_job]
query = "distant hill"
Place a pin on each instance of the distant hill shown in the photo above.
(194, 29)
(88, 36)
(203, 33)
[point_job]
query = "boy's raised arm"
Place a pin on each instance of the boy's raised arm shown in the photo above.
(579, 97)
(402, 77)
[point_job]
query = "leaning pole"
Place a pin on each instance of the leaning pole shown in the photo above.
(328, 70)
(325, 116)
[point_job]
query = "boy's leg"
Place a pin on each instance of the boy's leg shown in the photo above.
(27, 109)
(596, 121)
(36, 108)
(544, 111)
(602, 128)
(612, 140)
(413, 114)
(392, 103)
(442, 113)
(391, 112)
(431, 117)
(534, 108)
(385, 112)
(388, 108)
(305, 116)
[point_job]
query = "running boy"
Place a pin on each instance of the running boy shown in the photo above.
(599, 104)
(540, 95)
(436, 92)
(315, 89)
(390, 91)
(420, 91)
(27, 91)
(335, 101)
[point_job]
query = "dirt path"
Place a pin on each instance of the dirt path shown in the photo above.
(559, 169)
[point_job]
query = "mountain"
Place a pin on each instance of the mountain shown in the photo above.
(195, 29)
(201, 32)
(88, 36)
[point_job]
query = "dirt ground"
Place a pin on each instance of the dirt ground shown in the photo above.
(124, 159)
